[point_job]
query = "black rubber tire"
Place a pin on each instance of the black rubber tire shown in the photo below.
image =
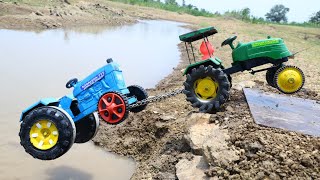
(270, 75)
(125, 100)
(229, 77)
(86, 128)
(223, 91)
(64, 124)
(140, 93)
(281, 69)
(230, 81)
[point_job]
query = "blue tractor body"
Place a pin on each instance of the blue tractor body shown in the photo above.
(87, 92)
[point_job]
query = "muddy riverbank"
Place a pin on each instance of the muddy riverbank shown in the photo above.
(156, 138)
(60, 14)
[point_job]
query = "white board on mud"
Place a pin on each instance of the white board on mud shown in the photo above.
(285, 112)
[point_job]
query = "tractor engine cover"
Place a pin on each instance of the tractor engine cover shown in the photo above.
(273, 48)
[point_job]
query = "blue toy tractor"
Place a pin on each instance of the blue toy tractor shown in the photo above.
(51, 126)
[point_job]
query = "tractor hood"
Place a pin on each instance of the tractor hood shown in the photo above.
(273, 48)
(102, 73)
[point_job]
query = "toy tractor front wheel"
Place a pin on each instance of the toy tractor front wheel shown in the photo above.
(141, 94)
(113, 107)
(87, 128)
(47, 133)
(289, 79)
(207, 88)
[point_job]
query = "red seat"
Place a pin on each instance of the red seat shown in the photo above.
(206, 50)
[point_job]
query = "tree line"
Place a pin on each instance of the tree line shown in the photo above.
(277, 14)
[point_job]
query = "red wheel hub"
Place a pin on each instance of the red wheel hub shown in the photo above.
(111, 108)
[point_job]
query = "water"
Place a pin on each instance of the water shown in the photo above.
(37, 65)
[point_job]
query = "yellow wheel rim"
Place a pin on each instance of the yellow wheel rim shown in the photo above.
(44, 134)
(206, 88)
(290, 79)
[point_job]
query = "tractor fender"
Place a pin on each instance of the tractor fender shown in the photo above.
(42, 102)
(215, 62)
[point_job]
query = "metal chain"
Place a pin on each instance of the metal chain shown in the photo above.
(156, 98)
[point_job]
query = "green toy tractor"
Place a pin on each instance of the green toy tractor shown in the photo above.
(208, 82)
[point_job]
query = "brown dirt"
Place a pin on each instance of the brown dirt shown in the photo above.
(26, 17)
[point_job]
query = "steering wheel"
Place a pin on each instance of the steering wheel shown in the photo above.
(71, 83)
(229, 41)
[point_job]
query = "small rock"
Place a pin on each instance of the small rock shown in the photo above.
(282, 156)
(260, 175)
(190, 170)
(283, 174)
(220, 113)
(273, 176)
(315, 152)
(255, 147)
(67, 1)
(289, 162)
(38, 13)
(166, 175)
(216, 149)
(244, 84)
(199, 132)
(306, 161)
(167, 118)
(229, 108)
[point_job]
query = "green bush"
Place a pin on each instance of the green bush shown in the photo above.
(170, 5)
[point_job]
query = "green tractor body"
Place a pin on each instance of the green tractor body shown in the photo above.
(216, 61)
(273, 48)
(208, 82)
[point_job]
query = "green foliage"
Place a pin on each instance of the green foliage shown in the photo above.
(172, 2)
(278, 14)
(243, 14)
(315, 18)
(170, 5)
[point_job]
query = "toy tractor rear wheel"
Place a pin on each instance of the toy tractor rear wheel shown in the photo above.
(270, 75)
(113, 107)
(47, 133)
(141, 94)
(207, 88)
(289, 79)
(87, 128)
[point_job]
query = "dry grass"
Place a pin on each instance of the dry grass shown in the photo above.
(296, 38)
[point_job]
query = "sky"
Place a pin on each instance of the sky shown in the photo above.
(300, 10)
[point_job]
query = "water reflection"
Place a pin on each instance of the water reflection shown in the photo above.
(67, 173)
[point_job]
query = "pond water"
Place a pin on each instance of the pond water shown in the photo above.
(35, 65)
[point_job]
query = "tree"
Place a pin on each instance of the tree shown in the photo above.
(190, 6)
(315, 18)
(172, 2)
(278, 13)
(245, 13)
(183, 3)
